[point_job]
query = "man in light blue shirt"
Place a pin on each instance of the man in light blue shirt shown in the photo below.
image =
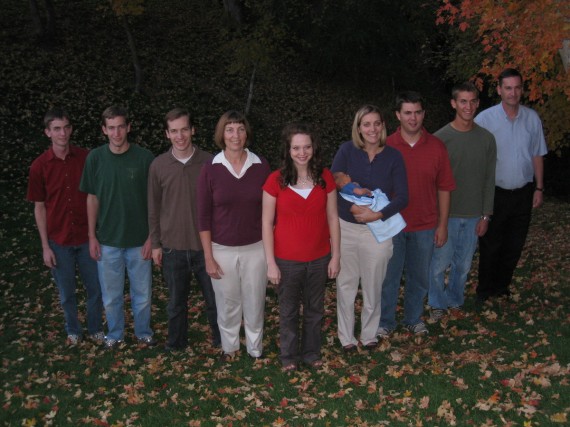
(519, 184)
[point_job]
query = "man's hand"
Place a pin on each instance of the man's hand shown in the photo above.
(157, 256)
(146, 250)
(94, 248)
(482, 227)
(537, 199)
(440, 237)
(49, 257)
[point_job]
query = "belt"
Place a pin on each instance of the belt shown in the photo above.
(514, 190)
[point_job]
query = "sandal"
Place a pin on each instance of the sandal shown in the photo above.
(291, 367)
(371, 345)
(350, 348)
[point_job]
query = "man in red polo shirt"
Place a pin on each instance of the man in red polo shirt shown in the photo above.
(430, 180)
(61, 216)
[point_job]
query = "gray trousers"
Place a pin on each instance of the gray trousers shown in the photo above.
(302, 284)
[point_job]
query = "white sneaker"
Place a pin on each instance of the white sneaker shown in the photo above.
(383, 332)
(418, 329)
(73, 339)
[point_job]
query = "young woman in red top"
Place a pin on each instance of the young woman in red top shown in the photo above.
(301, 237)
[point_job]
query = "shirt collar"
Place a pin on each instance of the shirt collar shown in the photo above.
(250, 160)
(71, 153)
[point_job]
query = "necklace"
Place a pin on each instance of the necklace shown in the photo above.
(304, 180)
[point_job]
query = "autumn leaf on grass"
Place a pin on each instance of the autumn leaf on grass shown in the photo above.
(460, 384)
(485, 405)
(445, 411)
(360, 404)
(394, 371)
(560, 417)
(542, 381)
(424, 402)
(490, 315)
(279, 422)
(396, 356)
(340, 393)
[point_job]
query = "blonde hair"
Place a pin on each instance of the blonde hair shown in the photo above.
(356, 136)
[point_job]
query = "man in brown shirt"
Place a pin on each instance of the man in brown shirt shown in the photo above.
(176, 247)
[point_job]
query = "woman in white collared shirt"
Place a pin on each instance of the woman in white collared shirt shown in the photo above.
(229, 221)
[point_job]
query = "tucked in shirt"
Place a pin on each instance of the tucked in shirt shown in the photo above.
(518, 140)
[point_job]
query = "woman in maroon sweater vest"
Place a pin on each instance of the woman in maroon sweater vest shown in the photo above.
(301, 236)
(229, 221)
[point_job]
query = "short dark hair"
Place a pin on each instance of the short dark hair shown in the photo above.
(55, 113)
(408, 96)
(176, 113)
(114, 111)
(509, 72)
(464, 87)
(228, 117)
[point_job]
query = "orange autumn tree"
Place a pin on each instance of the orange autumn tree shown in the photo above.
(527, 35)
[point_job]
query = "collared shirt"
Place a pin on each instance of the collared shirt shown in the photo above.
(56, 183)
(172, 200)
(249, 161)
(518, 141)
(229, 205)
(429, 171)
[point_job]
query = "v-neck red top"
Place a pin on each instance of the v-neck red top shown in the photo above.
(301, 228)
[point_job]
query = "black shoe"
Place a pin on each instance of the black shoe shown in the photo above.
(173, 348)
(481, 299)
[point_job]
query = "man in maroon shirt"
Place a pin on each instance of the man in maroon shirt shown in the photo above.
(430, 180)
(61, 216)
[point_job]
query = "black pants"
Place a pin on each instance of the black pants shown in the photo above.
(177, 268)
(500, 248)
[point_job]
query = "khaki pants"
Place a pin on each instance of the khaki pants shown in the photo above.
(362, 261)
(241, 292)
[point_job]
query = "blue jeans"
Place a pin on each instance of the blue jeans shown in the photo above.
(112, 278)
(412, 254)
(68, 258)
(178, 266)
(457, 254)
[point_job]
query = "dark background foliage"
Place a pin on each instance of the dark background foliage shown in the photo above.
(315, 61)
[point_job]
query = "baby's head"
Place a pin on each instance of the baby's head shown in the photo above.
(342, 179)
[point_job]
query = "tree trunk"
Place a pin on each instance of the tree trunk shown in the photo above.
(36, 19)
(50, 20)
(134, 55)
(250, 94)
(43, 33)
(234, 10)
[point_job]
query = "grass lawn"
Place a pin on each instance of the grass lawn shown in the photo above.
(503, 364)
